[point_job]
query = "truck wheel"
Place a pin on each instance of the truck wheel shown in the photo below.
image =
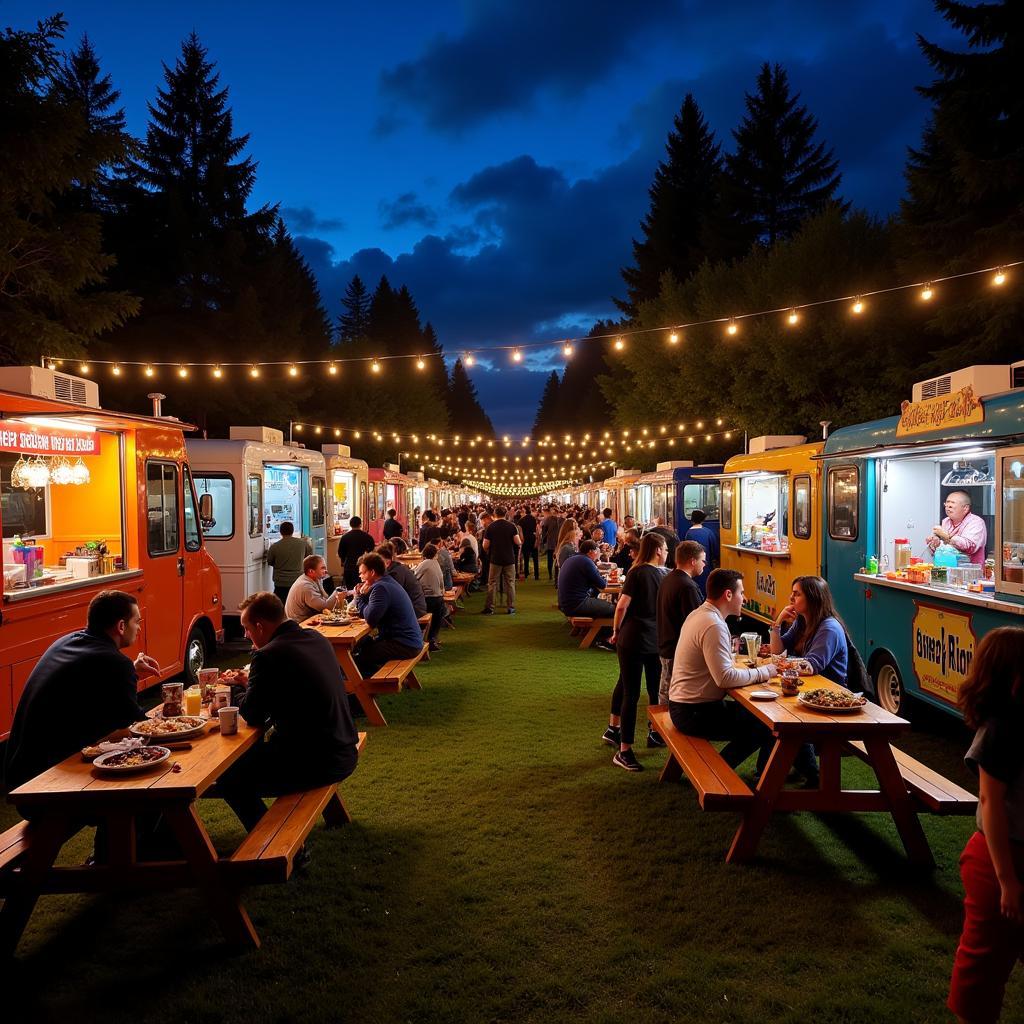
(196, 653)
(889, 688)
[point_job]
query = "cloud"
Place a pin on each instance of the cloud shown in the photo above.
(509, 52)
(406, 209)
(303, 220)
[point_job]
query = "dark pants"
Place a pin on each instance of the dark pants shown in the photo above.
(350, 576)
(594, 608)
(282, 592)
(723, 720)
(436, 607)
(530, 551)
(551, 564)
(373, 652)
(265, 770)
(626, 694)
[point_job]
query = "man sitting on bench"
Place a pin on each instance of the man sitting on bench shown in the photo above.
(385, 606)
(295, 687)
(579, 583)
(703, 671)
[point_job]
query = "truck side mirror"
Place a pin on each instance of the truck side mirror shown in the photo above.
(206, 508)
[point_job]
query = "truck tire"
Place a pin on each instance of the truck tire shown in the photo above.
(197, 653)
(889, 689)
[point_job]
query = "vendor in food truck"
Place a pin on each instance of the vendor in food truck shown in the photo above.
(961, 528)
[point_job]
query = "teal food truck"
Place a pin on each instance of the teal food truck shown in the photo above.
(884, 488)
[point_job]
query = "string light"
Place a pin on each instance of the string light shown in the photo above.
(517, 356)
(673, 338)
(469, 360)
(732, 327)
(183, 371)
(293, 370)
(149, 371)
(858, 306)
(375, 366)
(619, 344)
(218, 372)
(333, 369)
(84, 369)
(1000, 277)
(254, 371)
(420, 364)
(116, 371)
(927, 293)
(567, 350)
(794, 318)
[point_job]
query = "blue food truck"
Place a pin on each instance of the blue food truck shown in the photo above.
(673, 491)
(884, 488)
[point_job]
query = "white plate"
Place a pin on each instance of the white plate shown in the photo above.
(828, 711)
(763, 695)
(99, 762)
(169, 737)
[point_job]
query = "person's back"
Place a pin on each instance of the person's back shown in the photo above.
(609, 529)
(389, 610)
(410, 584)
(578, 580)
(80, 690)
(296, 686)
(285, 557)
(392, 527)
(430, 578)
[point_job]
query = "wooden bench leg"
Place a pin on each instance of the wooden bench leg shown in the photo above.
(759, 811)
(592, 635)
(44, 842)
(672, 772)
(223, 898)
(900, 805)
(355, 683)
(412, 683)
(335, 812)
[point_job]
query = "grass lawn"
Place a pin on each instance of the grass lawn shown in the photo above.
(499, 868)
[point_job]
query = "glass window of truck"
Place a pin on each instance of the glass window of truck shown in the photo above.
(843, 493)
(254, 500)
(162, 507)
(221, 489)
(802, 507)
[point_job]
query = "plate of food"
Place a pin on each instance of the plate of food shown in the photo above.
(333, 619)
(763, 695)
(802, 665)
(136, 760)
(180, 728)
(832, 700)
(235, 676)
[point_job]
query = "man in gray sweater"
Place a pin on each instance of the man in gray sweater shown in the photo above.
(285, 558)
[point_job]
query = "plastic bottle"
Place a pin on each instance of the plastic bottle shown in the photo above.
(901, 553)
(873, 566)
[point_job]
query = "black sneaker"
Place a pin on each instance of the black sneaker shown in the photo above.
(434, 646)
(627, 759)
(487, 611)
(603, 645)
(654, 740)
(612, 736)
(511, 611)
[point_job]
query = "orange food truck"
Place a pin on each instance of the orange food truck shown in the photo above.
(92, 500)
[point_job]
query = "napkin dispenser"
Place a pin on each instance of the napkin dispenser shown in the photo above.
(83, 568)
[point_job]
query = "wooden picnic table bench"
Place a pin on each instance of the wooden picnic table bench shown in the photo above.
(591, 628)
(64, 798)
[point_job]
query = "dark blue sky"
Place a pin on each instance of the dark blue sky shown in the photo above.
(495, 156)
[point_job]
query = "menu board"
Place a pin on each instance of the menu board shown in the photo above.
(31, 440)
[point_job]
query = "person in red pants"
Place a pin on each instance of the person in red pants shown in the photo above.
(992, 863)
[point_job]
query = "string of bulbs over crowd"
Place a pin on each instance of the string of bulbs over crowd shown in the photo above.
(793, 316)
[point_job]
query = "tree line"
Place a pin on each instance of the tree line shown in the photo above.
(115, 247)
(764, 226)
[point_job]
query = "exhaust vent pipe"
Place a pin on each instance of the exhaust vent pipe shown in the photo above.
(156, 398)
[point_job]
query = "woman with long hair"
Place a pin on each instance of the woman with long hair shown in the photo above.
(635, 635)
(992, 863)
(568, 543)
(809, 627)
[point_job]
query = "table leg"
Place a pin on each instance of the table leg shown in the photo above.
(357, 684)
(891, 783)
(45, 839)
(121, 840)
(202, 858)
(759, 811)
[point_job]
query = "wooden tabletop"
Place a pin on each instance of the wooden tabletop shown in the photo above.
(75, 781)
(340, 636)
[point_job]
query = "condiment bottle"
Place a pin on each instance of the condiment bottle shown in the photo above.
(901, 551)
(873, 566)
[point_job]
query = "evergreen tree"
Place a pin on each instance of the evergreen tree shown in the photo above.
(685, 224)
(547, 419)
(582, 403)
(466, 415)
(778, 176)
(354, 322)
(53, 270)
(107, 144)
(965, 182)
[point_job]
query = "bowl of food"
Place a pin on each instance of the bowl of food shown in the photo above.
(137, 760)
(180, 728)
(823, 699)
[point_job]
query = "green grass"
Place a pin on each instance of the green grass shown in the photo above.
(499, 868)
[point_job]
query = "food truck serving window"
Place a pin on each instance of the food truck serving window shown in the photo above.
(25, 511)
(254, 504)
(843, 492)
(764, 512)
(702, 496)
(162, 507)
(216, 515)
(726, 505)
(802, 507)
(1011, 558)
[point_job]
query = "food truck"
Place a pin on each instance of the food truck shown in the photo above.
(674, 490)
(91, 500)
(390, 489)
(248, 485)
(918, 619)
(346, 497)
(769, 528)
(621, 493)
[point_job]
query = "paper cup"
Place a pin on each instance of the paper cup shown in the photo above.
(208, 679)
(228, 721)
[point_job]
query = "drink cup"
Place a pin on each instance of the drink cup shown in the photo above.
(174, 696)
(207, 680)
(193, 700)
(228, 721)
(790, 682)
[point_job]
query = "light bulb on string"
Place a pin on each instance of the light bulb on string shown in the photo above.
(517, 356)
(293, 370)
(567, 350)
(927, 293)
(469, 360)
(116, 370)
(673, 338)
(793, 318)
(620, 344)
(1000, 277)
(218, 372)
(732, 327)
(375, 366)
(182, 371)
(858, 306)
(254, 371)
(332, 369)
(84, 369)
(149, 371)
(420, 364)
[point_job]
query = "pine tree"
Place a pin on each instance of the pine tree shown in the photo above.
(964, 183)
(546, 420)
(354, 322)
(107, 144)
(53, 271)
(685, 223)
(778, 176)
(466, 414)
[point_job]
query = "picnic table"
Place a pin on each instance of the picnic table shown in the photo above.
(867, 732)
(64, 799)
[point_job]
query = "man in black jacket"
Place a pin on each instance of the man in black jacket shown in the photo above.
(295, 687)
(528, 524)
(678, 595)
(81, 689)
(352, 546)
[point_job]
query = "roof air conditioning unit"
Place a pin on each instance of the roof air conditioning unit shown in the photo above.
(265, 435)
(415, 474)
(768, 442)
(627, 472)
(42, 382)
(336, 449)
(662, 466)
(392, 466)
(987, 379)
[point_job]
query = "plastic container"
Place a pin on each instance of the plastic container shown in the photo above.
(946, 554)
(901, 553)
(872, 566)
